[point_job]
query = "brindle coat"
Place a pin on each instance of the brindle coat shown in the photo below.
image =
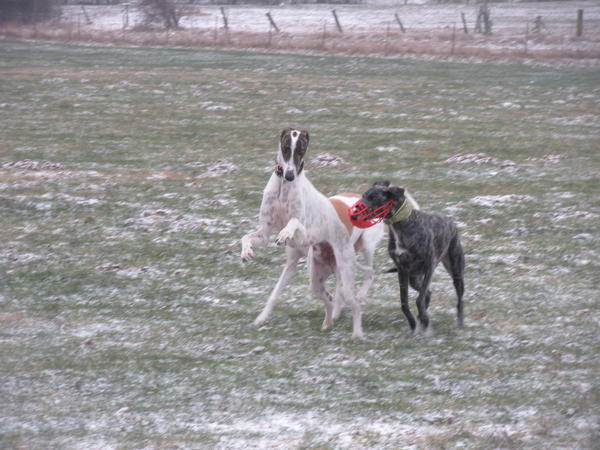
(417, 244)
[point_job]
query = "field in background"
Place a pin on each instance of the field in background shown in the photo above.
(127, 177)
(372, 29)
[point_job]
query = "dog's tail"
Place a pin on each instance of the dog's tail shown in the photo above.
(391, 270)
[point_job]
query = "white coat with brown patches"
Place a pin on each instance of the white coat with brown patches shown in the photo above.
(364, 240)
(307, 221)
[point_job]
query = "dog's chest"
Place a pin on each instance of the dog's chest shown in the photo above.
(396, 246)
(287, 203)
(403, 254)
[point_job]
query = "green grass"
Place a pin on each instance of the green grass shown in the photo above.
(125, 313)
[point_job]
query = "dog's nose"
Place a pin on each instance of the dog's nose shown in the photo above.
(289, 175)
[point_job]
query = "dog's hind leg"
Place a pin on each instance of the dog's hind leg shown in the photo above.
(403, 281)
(367, 248)
(454, 263)
(291, 265)
(321, 267)
(345, 263)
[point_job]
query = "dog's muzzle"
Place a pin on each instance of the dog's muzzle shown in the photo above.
(362, 217)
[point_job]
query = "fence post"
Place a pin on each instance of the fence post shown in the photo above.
(225, 21)
(272, 22)
(337, 21)
(87, 18)
(126, 16)
(216, 35)
(453, 38)
(464, 22)
(399, 23)
(579, 22)
(387, 38)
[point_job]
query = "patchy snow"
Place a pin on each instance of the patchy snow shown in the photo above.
(468, 158)
(326, 160)
(493, 201)
(169, 222)
(387, 148)
(29, 164)
(480, 158)
(552, 159)
(127, 270)
(220, 167)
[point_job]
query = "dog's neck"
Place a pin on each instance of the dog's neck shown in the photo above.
(401, 214)
(284, 187)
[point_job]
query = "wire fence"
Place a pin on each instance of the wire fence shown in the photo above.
(564, 17)
(570, 29)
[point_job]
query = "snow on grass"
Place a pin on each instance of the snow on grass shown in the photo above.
(127, 315)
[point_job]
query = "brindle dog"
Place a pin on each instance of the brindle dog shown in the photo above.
(418, 242)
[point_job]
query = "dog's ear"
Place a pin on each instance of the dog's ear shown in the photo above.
(397, 191)
(283, 132)
(305, 133)
(381, 184)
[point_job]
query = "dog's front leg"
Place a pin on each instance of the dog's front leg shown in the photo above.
(258, 237)
(423, 297)
(288, 272)
(266, 221)
(345, 261)
(403, 281)
(293, 231)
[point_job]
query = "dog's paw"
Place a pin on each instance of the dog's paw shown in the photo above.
(358, 335)
(261, 319)
(337, 310)
(247, 254)
(285, 236)
(327, 324)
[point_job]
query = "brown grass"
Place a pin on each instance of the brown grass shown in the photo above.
(437, 43)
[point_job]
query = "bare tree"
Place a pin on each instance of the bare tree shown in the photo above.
(160, 12)
(484, 20)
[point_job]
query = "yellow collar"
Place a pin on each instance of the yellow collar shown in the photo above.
(401, 213)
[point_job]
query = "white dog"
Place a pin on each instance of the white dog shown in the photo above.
(308, 223)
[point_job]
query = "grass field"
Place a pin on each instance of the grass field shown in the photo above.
(127, 176)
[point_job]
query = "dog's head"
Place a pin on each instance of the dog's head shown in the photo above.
(293, 144)
(376, 204)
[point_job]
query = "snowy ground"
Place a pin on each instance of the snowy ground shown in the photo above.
(128, 175)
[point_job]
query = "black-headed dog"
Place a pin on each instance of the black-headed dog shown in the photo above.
(418, 241)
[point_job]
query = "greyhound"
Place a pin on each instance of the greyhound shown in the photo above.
(307, 224)
(418, 241)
